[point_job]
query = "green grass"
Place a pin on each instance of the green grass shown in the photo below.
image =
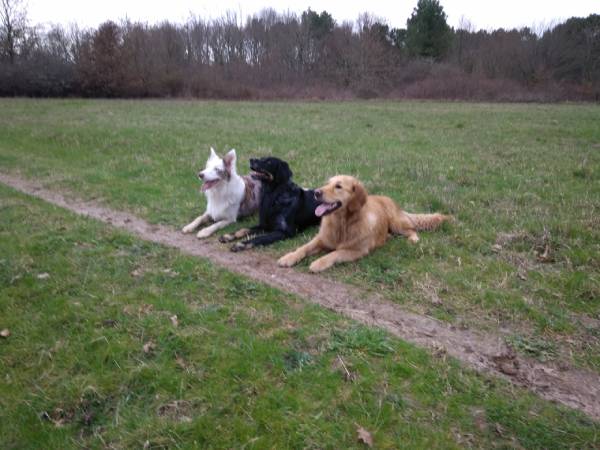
(524, 176)
(246, 366)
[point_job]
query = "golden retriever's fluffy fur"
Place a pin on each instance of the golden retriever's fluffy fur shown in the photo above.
(354, 223)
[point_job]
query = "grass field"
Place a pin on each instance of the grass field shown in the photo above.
(520, 179)
(247, 365)
(96, 358)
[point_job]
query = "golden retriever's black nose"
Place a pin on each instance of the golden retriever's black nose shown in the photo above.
(318, 194)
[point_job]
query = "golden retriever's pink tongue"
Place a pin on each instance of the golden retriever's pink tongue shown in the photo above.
(322, 209)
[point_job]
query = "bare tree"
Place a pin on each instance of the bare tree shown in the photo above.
(13, 23)
(274, 54)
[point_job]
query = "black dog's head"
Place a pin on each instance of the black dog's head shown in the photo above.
(270, 170)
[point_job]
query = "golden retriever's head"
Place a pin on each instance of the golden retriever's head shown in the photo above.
(342, 192)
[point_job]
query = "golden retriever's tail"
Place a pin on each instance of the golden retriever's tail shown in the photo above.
(427, 222)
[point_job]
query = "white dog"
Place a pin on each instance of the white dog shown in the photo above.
(228, 195)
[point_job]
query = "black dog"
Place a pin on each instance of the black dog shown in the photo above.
(285, 208)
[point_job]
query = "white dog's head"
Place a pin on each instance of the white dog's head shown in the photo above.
(217, 169)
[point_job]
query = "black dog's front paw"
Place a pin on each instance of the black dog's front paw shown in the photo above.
(240, 246)
(225, 238)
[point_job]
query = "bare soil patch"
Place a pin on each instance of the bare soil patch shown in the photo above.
(487, 353)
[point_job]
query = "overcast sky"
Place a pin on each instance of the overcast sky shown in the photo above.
(481, 14)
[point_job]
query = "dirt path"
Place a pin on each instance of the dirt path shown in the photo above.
(484, 352)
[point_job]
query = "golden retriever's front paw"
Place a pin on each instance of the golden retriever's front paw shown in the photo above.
(318, 266)
(225, 238)
(204, 233)
(288, 260)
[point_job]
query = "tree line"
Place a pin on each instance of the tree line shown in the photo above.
(310, 55)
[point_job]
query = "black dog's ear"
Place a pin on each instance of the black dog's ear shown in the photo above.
(284, 173)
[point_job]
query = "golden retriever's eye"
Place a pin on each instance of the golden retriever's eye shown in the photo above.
(338, 186)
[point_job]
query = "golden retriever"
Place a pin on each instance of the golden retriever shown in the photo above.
(354, 223)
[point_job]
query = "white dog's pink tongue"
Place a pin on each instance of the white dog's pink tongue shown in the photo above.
(208, 184)
(321, 209)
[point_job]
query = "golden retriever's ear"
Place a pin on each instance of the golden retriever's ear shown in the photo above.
(359, 197)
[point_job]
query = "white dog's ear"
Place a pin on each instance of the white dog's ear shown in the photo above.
(213, 154)
(229, 159)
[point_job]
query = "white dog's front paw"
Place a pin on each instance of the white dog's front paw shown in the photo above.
(188, 228)
(204, 233)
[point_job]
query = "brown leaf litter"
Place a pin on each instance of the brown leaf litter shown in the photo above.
(149, 347)
(177, 410)
(364, 436)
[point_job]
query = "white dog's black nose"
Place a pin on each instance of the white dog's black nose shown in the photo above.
(201, 175)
